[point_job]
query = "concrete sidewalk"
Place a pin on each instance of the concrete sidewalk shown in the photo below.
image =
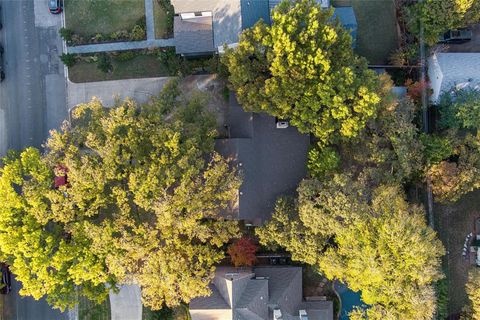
(150, 19)
(127, 304)
(121, 46)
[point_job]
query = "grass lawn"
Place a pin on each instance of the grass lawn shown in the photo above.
(161, 20)
(143, 66)
(89, 17)
(377, 32)
(88, 310)
(453, 223)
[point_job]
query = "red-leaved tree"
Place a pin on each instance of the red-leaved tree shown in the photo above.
(242, 252)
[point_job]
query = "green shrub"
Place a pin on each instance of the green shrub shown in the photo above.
(322, 161)
(137, 33)
(174, 63)
(126, 55)
(442, 298)
(68, 59)
(104, 63)
(437, 148)
(66, 34)
(460, 109)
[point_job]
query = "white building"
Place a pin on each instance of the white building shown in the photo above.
(448, 71)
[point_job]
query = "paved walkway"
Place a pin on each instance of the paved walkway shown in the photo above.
(119, 46)
(141, 90)
(127, 304)
(150, 19)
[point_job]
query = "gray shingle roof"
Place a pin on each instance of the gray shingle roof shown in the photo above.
(255, 299)
(318, 310)
(284, 287)
(193, 35)
(447, 70)
(272, 161)
(214, 301)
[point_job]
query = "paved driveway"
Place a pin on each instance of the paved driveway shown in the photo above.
(127, 304)
(108, 91)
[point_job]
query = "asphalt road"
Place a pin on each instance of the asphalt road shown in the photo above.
(32, 101)
(32, 96)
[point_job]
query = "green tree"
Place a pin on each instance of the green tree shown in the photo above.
(143, 198)
(41, 252)
(460, 110)
(454, 177)
(303, 68)
(439, 16)
(322, 161)
(473, 291)
(364, 243)
(390, 149)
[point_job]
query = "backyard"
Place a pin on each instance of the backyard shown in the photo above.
(377, 31)
(87, 18)
(454, 223)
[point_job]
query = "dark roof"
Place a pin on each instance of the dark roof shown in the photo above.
(271, 161)
(193, 35)
(346, 16)
(284, 287)
(318, 310)
(214, 301)
(253, 11)
(254, 295)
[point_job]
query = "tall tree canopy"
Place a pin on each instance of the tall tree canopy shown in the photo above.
(472, 310)
(303, 68)
(364, 240)
(458, 171)
(438, 16)
(141, 204)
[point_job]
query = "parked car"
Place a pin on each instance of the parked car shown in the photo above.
(281, 124)
(6, 286)
(456, 36)
(2, 73)
(55, 6)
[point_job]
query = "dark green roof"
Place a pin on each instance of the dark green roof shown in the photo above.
(253, 11)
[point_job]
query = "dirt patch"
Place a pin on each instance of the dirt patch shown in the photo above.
(454, 223)
(215, 89)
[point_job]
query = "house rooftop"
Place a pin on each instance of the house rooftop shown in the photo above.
(193, 35)
(447, 71)
(254, 294)
(271, 161)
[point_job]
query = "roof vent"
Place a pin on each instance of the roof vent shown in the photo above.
(303, 315)
(277, 314)
(231, 275)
